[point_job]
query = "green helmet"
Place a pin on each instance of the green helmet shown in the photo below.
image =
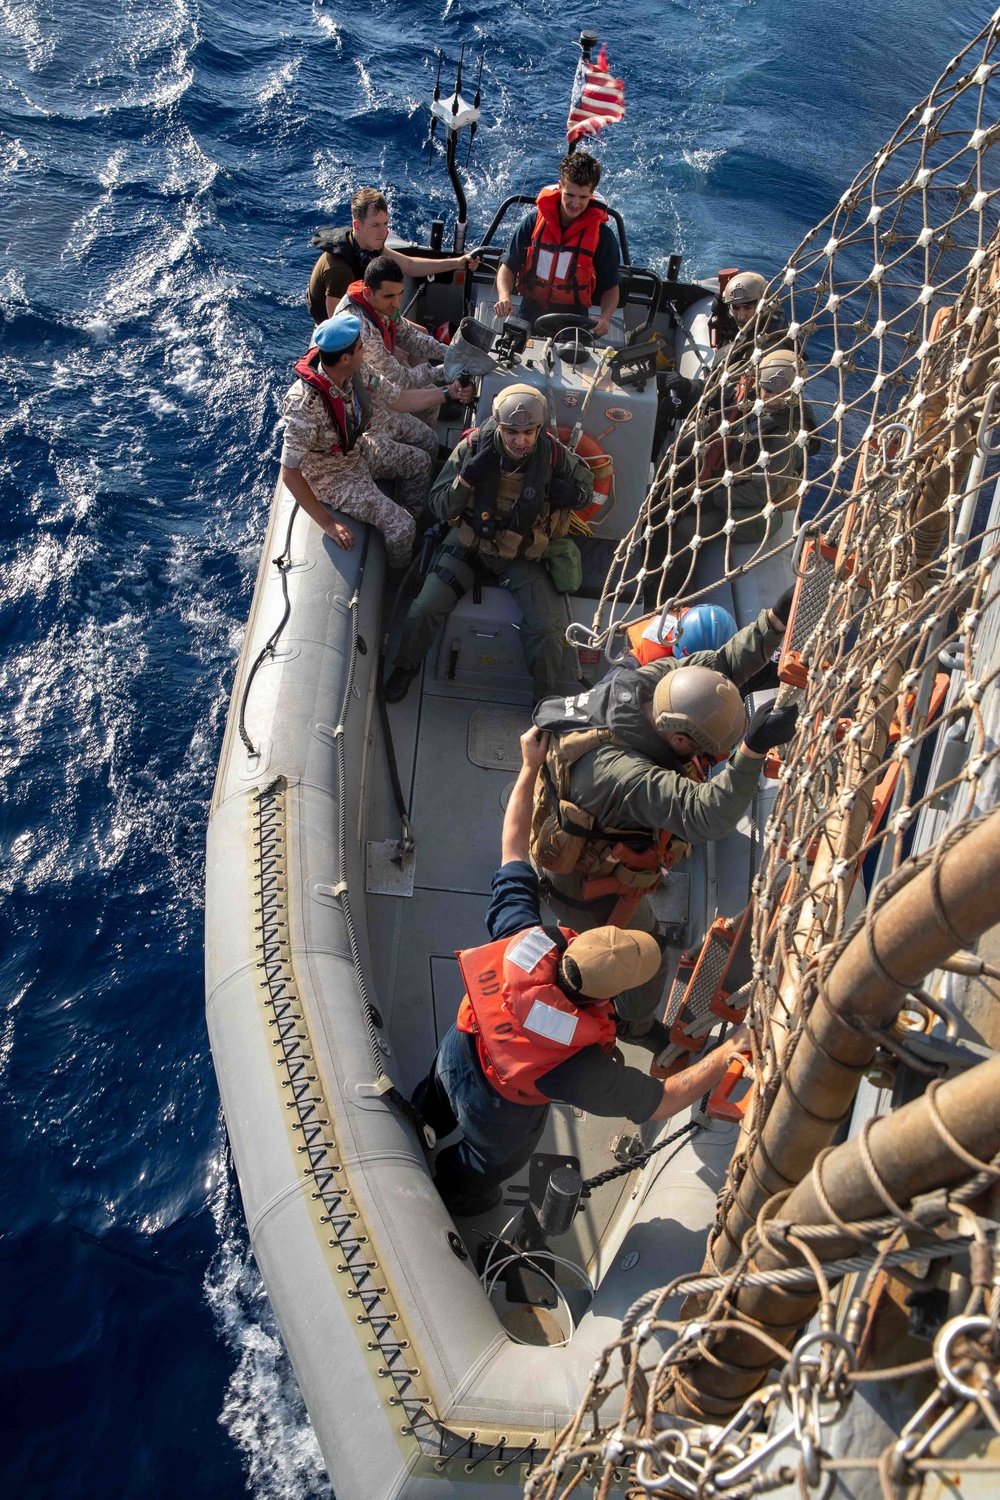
(747, 286)
(702, 704)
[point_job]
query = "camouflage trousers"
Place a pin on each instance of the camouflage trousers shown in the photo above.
(419, 429)
(346, 482)
(544, 617)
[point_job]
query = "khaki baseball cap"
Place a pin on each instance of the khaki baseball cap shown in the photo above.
(612, 959)
(519, 406)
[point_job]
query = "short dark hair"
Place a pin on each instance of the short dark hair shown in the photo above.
(331, 361)
(570, 981)
(580, 168)
(368, 201)
(383, 268)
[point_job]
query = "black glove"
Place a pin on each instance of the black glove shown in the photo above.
(563, 491)
(783, 608)
(771, 727)
(478, 466)
(677, 391)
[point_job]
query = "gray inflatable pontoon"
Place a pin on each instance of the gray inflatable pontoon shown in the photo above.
(331, 976)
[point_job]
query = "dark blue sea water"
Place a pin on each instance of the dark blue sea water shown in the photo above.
(162, 166)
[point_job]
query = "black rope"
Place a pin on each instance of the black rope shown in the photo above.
(639, 1161)
(282, 563)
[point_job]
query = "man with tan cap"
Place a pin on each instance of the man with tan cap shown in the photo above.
(624, 791)
(508, 490)
(538, 1023)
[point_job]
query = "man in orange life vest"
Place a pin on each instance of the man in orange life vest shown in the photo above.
(563, 257)
(538, 1023)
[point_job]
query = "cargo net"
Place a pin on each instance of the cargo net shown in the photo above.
(892, 652)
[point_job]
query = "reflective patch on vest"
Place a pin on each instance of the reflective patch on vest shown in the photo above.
(563, 262)
(553, 1024)
(529, 950)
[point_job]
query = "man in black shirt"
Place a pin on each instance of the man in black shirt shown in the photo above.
(347, 252)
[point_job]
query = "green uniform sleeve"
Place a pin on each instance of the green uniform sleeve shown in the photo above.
(739, 659)
(652, 797)
(445, 500)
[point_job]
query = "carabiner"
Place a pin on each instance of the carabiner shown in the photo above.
(579, 635)
(809, 532)
(892, 464)
(620, 629)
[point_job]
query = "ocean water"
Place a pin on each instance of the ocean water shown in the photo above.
(162, 167)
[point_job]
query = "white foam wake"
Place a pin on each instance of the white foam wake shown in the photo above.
(263, 1410)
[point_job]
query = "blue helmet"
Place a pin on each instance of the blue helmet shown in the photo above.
(703, 627)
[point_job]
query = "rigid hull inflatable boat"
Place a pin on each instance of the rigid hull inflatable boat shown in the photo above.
(332, 969)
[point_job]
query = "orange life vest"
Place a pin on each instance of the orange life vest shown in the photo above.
(350, 420)
(558, 269)
(644, 646)
(522, 1021)
(387, 328)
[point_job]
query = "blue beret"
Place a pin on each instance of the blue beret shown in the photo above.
(338, 333)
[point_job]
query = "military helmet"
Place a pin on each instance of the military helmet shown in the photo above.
(747, 286)
(778, 370)
(703, 704)
(519, 406)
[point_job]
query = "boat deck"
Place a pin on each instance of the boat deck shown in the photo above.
(458, 754)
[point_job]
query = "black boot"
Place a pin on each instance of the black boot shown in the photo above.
(398, 682)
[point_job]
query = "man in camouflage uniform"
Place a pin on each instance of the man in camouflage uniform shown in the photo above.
(624, 792)
(508, 491)
(330, 460)
(405, 356)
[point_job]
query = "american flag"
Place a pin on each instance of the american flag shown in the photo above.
(598, 99)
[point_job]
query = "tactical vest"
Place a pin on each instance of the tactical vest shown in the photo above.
(342, 244)
(566, 839)
(385, 328)
(350, 418)
(508, 515)
(523, 1023)
(558, 268)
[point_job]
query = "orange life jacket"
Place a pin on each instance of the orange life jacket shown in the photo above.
(522, 1021)
(387, 328)
(645, 648)
(558, 269)
(350, 422)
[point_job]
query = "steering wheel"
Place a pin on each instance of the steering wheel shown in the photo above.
(551, 325)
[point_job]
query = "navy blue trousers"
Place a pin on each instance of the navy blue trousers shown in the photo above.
(498, 1137)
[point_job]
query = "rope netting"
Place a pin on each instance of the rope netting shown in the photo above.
(892, 652)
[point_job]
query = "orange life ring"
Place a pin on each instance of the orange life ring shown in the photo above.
(601, 465)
